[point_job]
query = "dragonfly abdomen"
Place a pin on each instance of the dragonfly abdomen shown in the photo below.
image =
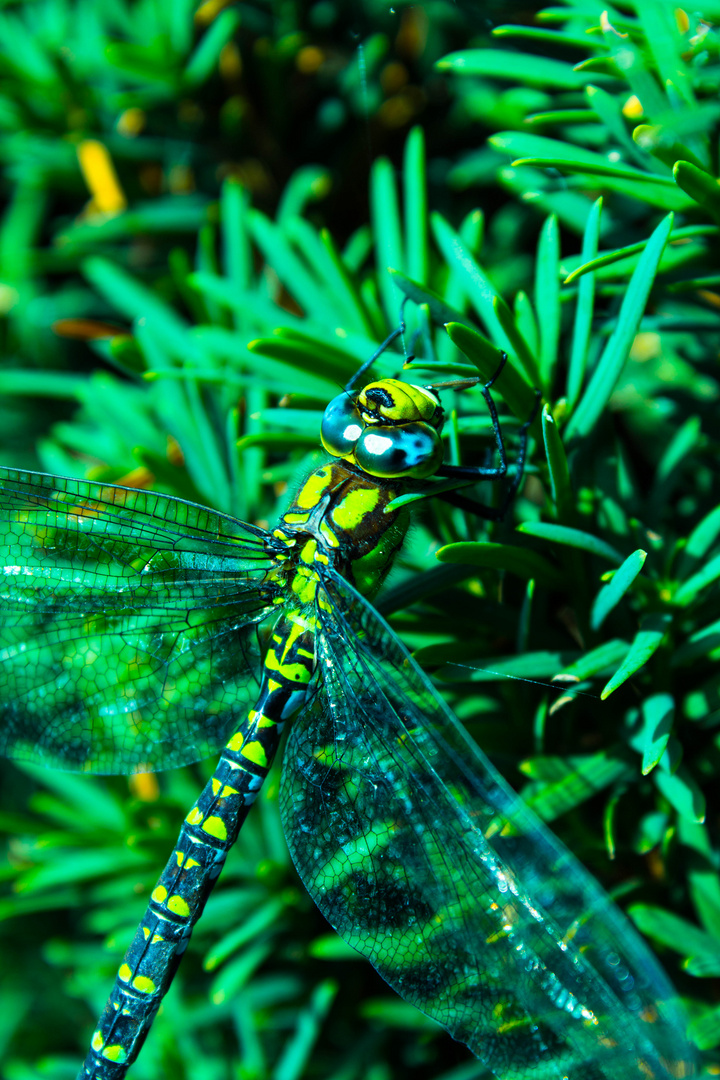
(208, 832)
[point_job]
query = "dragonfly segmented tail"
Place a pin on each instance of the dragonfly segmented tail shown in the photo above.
(208, 832)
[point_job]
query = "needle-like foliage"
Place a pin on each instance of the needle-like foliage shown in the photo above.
(212, 214)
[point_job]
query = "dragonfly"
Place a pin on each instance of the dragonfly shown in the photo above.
(131, 640)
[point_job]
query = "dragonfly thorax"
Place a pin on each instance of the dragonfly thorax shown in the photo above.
(389, 429)
(339, 519)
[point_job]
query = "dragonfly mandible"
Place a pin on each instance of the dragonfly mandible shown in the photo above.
(129, 642)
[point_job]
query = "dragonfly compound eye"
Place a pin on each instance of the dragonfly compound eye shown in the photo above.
(391, 430)
(412, 450)
(341, 426)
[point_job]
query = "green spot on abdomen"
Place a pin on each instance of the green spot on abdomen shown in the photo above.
(296, 673)
(178, 904)
(115, 1053)
(255, 752)
(215, 826)
(225, 791)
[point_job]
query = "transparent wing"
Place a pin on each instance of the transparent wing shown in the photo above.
(420, 855)
(127, 624)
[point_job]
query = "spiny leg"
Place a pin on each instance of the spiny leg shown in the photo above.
(486, 472)
(494, 513)
(208, 832)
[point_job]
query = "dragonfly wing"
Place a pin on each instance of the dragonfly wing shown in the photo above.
(127, 624)
(421, 856)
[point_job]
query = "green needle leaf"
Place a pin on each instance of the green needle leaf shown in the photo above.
(507, 321)
(387, 232)
(607, 258)
(547, 297)
(611, 594)
(616, 351)
(528, 150)
(480, 290)
(705, 1029)
(704, 577)
(415, 192)
(289, 267)
(658, 713)
(703, 535)
(706, 966)
(516, 392)
(500, 64)
(440, 312)
(520, 561)
(237, 258)
(563, 783)
(604, 658)
(562, 534)
(203, 61)
(700, 186)
(652, 631)
(677, 933)
(682, 792)
(557, 467)
(584, 307)
(592, 168)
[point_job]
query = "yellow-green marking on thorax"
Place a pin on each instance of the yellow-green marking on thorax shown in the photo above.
(314, 487)
(356, 505)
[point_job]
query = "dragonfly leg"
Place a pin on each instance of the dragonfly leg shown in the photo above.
(482, 472)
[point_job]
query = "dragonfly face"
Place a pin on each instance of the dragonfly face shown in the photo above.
(389, 429)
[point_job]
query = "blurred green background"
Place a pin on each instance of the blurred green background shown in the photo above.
(201, 204)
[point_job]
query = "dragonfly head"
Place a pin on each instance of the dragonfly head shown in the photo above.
(389, 429)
